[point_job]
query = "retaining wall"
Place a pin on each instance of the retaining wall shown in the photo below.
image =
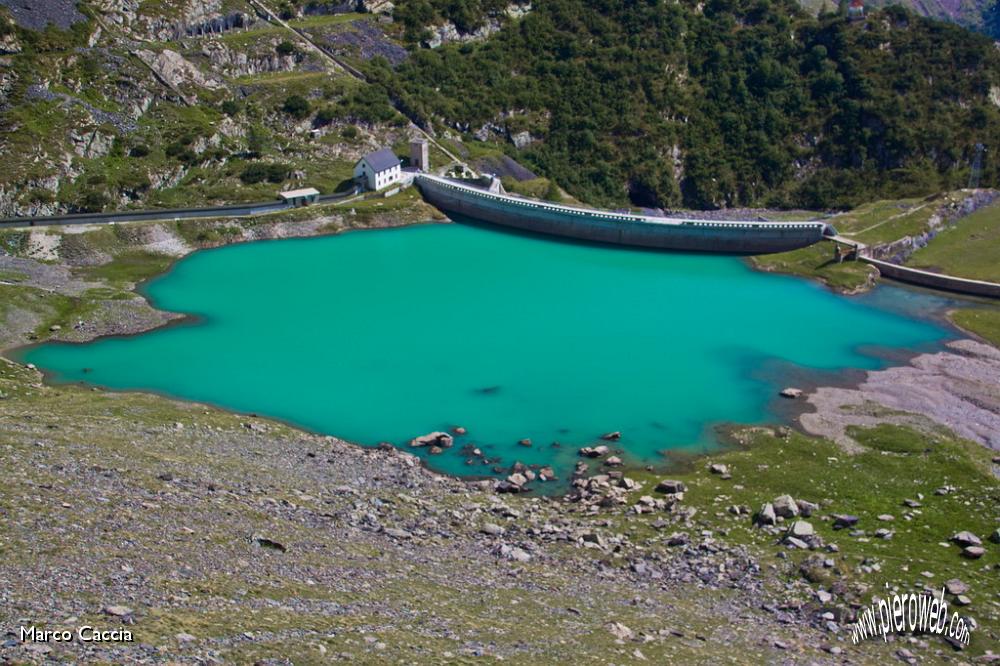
(935, 280)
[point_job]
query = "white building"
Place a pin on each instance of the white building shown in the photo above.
(303, 197)
(379, 169)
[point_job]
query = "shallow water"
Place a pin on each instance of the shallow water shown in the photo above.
(384, 335)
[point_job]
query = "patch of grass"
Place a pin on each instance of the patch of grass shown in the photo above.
(247, 38)
(887, 220)
(40, 309)
(896, 464)
(537, 188)
(892, 438)
(984, 322)
(132, 266)
(325, 20)
(12, 276)
(970, 248)
(817, 262)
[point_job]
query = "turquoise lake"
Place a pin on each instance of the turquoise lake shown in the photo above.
(384, 335)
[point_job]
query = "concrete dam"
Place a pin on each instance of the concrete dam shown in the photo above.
(722, 236)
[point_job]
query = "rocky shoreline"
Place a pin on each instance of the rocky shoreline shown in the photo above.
(957, 389)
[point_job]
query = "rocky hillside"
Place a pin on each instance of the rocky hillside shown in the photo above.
(111, 105)
(115, 104)
(719, 104)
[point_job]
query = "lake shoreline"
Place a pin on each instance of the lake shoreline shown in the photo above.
(804, 413)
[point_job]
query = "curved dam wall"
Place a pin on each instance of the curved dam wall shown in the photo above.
(731, 237)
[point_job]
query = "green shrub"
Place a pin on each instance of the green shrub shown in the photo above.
(94, 201)
(258, 173)
(277, 173)
(254, 173)
(135, 181)
(296, 106)
(325, 116)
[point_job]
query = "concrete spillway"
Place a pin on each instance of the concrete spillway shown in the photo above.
(733, 237)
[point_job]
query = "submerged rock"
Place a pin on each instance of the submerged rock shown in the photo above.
(438, 438)
(594, 451)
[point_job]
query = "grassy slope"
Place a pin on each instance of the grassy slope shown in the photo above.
(873, 224)
(897, 463)
(970, 249)
(984, 322)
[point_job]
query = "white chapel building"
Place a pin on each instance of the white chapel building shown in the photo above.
(379, 169)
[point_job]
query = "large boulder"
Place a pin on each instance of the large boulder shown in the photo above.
(801, 529)
(766, 515)
(842, 520)
(521, 139)
(174, 70)
(806, 509)
(671, 487)
(785, 506)
(966, 538)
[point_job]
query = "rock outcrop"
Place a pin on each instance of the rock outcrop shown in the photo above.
(175, 71)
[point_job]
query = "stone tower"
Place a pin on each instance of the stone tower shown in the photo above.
(420, 154)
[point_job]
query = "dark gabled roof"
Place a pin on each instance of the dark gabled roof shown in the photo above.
(381, 160)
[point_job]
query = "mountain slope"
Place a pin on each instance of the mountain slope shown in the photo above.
(175, 102)
(721, 104)
(739, 102)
